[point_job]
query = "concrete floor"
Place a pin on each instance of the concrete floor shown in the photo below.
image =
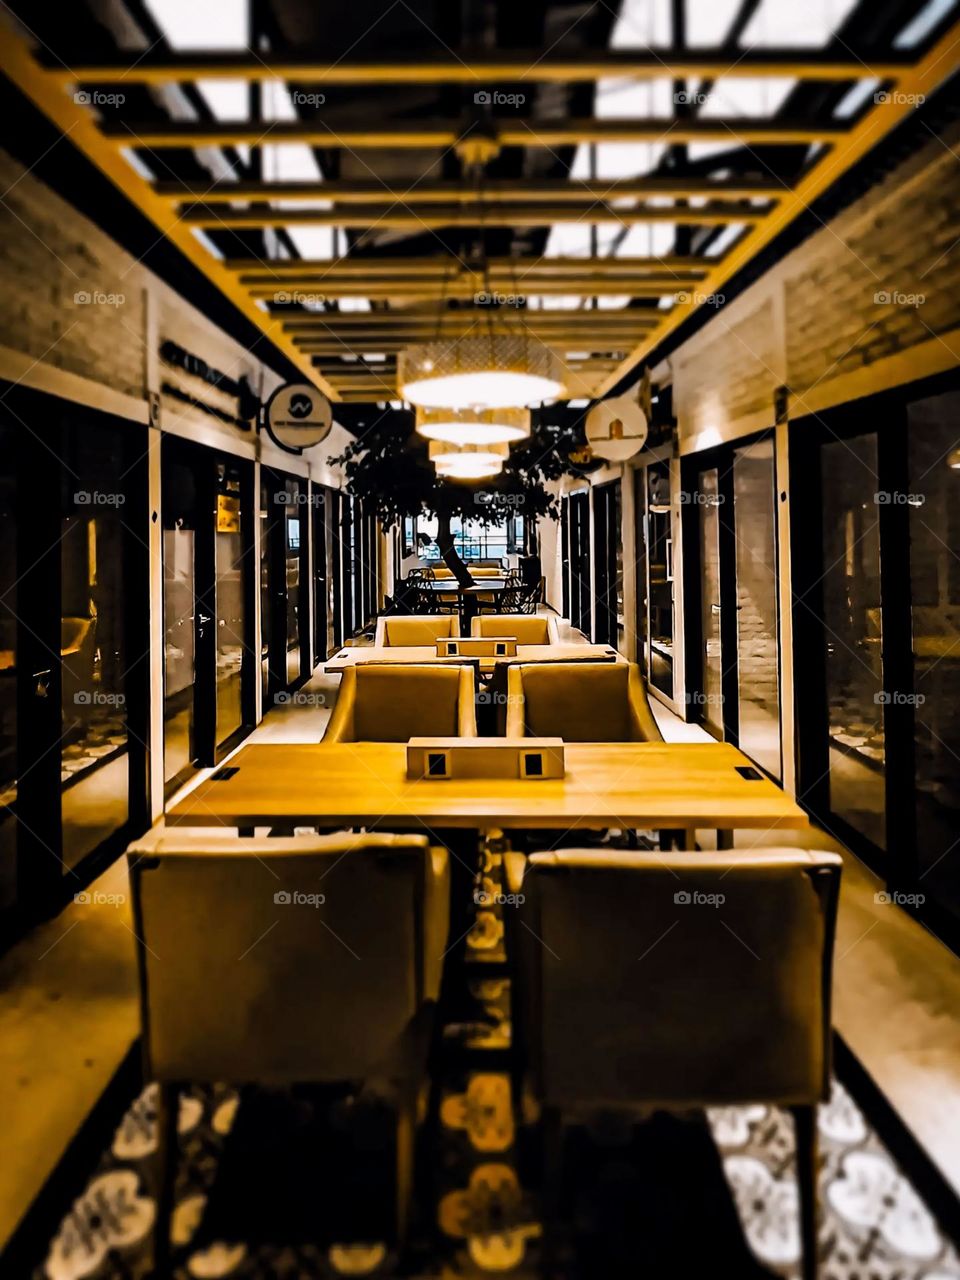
(68, 1000)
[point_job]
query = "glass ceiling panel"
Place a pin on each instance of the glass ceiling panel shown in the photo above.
(807, 24)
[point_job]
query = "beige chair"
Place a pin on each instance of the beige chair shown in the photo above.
(677, 982)
(314, 959)
(394, 702)
(579, 702)
(415, 629)
(529, 628)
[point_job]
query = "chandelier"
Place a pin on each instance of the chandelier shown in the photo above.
(473, 426)
(469, 461)
(496, 371)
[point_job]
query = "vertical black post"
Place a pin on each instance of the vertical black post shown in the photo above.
(205, 611)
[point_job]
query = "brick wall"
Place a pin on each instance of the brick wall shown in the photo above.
(880, 280)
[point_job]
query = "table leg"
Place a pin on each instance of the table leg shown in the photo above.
(724, 838)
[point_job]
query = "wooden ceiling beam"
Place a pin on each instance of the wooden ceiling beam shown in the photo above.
(443, 134)
(256, 269)
(485, 68)
(430, 217)
(603, 286)
(494, 192)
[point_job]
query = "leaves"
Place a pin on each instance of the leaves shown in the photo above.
(388, 467)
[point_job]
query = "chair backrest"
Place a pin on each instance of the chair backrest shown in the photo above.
(395, 702)
(677, 980)
(579, 702)
(283, 960)
(442, 571)
(415, 629)
(529, 629)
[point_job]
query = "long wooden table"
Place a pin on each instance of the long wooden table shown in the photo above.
(356, 655)
(634, 785)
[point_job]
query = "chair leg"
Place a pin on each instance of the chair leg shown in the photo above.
(805, 1131)
(168, 1106)
(552, 1190)
(406, 1145)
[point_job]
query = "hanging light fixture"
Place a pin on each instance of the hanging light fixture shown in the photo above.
(467, 462)
(473, 426)
(496, 371)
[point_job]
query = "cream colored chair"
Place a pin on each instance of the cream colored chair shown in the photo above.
(579, 702)
(677, 982)
(415, 629)
(315, 959)
(394, 702)
(529, 628)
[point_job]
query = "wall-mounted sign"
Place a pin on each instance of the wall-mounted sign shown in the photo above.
(248, 402)
(298, 416)
(616, 429)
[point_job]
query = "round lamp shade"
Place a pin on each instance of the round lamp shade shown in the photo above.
(467, 462)
(473, 426)
(493, 372)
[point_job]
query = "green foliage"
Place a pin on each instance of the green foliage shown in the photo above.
(389, 468)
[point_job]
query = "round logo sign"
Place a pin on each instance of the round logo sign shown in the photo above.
(298, 416)
(617, 429)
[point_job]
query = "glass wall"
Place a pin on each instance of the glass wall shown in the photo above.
(758, 675)
(231, 610)
(933, 441)
(294, 533)
(209, 665)
(658, 556)
(853, 640)
(8, 668)
(711, 690)
(94, 649)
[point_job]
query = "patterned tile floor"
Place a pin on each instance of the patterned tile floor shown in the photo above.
(285, 1187)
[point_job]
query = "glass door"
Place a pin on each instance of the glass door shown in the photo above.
(580, 600)
(658, 558)
(318, 512)
(711, 662)
(8, 668)
(758, 642)
(608, 564)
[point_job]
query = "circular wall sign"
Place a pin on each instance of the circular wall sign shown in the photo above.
(617, 429)
(298, 416)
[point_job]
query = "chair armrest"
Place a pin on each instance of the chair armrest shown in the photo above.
(645, 727)
(514, 867)
(515, 727)
(466, 705)
(340, 726)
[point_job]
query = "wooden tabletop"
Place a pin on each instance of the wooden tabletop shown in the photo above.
(358, 654)
(645, 785)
